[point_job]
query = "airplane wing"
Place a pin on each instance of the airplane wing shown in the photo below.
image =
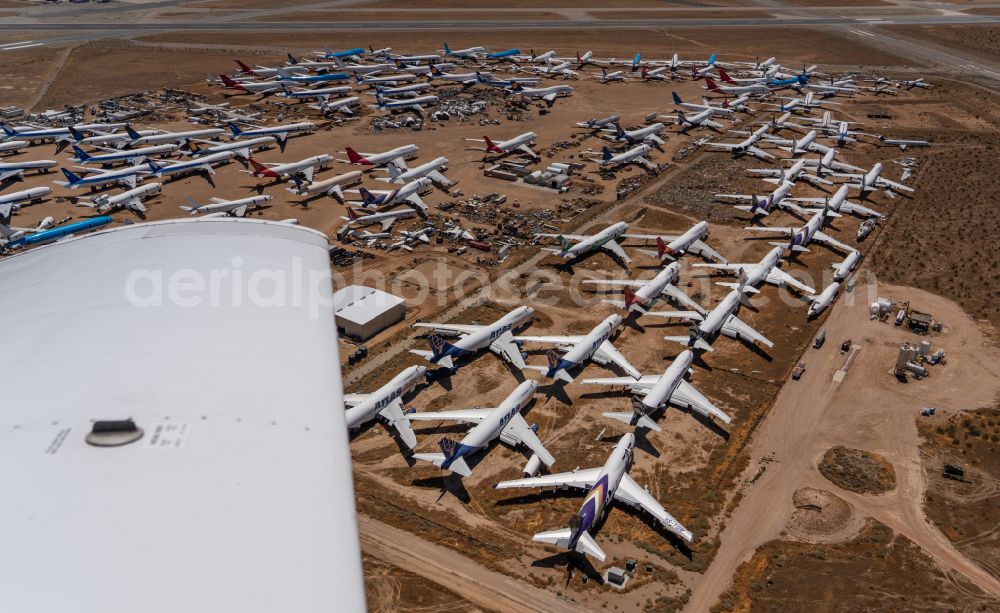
(826, 239)
(702, 249)
(308, 173)
(644, 382)
(725, 266)
(458, 328)
(572, 237)
(526, 149)
(239, 211)
(352, 399)
(644, 163)
(504, 347)
(387, 223)
(883, 183)
(607, 352)
(616, 249)
(518, 430)
(618, 282)
(779, 277)
(738, 329)
(471, 416)
(650, 237)
(10, 173)
(772, 229)
(583, 479)
(550, 340)
(415, 200)
(655, 139)
(550, 98)
(680, 297)
(685, 394)
(136, 205)
(630, 493)
(393, 415)
(858, 209)
(733, 197)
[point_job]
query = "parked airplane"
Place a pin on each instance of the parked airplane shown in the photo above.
(268, 71)
(102, 138)
(599, 124)
(397, 156)
(747, 145)
(407, 238)
(838, 203)
(691, 241)
(794, 173)
(548, 94)
(645, 134)
(323, 93)
(250, 87)
(430, 170)
(332, 187)
(811, 232)
(386, 404)
(32, 134)
(521, 143)
(699, 119)
(818, 303)
(201, 164)
(285, 76)
(763, 206)
(753, 274)
(393, 79)
(16, 199)
(403, 90)
(465, 78)
(659, 391)
(242, 148)
(873, 180)
(635, 155)
(798, 146)
(735, 90)
(469, 53)
(386, 219)
(503, 55)
(605, 239)
(122, 156)
(720, 320)
(408, 194)
(903, 144)
(725, 109)
(497, 337)
(416, 103)
(843, 268)
(128, 200)
(910, 84)
(604, 485)
(10, 170)
(170, 137)
(595, 346)
(47, 236)
(503, 422)
(281, 132)
(646, 292)
(234, 208)
(125, 176)
(305, 168)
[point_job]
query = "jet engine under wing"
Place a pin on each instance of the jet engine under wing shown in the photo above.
(736, 328)
(519, 432)
(582, 479)
(630, 493)
(471, 416)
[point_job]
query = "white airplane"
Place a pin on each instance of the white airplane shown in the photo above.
(497, 337)
(124, 156)
(605, 239)
(13, 146)
(763, 206)
(200, 164)
(503, 422)
(548, 94)
(9, 170)
(469, 53)
(910, 84)
(646, 134)
(397, 156)
(731, 90)
(702, 118)
(242, 148)
(322, 93)
(393, 79)
(104, 138)
(635, 155)
(598, 124)
(170, 137)
(332, 187)
(720, 320)
(658, 74)
(416, 103)
(270, 71)
(608, 483)
(659, 391)
(125, 176)
(747, 145)
(430, 170)
(306, 167)
(465, 78)
(220, 206)
(818, 303)
(386, 219)
(31, 195)
(870, 181)
(640, 294)
(595, 346)
(901, 143)
(202, 108)
(408, 194)
(797, 146)
(422, 69)
(249, 86)
(281, 132)
(691, 241)
(811, 232)
(32, 134)
(608, 77)
(403, 90)
(838, 203)
(781, 174)
(751, 275)
(407, 238)
(783, 122)
(556, 68)
(128, 200)
(728, 107)
(521, 143)
(386, 403)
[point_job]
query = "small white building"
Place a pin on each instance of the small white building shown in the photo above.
(362, 312)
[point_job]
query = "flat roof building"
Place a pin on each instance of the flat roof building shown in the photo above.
(362, 312)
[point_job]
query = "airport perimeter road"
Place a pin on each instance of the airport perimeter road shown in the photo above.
(481, 586)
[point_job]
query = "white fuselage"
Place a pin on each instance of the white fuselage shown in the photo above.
(327, 185)
(366, 411)
(659, 395)
(624, 158)
(482, 338)
(589, 344)
(649, 292)
(128, 154)
(494, 423)
(419, 172)
(176, 137)
(596, 241)
(231, 205)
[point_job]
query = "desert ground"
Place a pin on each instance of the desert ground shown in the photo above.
(772, 531)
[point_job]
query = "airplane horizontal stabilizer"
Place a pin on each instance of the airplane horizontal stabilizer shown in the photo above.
(643, 421)
(746, 288)
(437, 459)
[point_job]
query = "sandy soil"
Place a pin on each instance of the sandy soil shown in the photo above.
(342, 15)
(978, 41)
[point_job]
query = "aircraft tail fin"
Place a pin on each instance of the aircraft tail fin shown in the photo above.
(352, 214)
(491, 146)
(440, 350)
(81, 155)
(243, 67)
(232, 128)
(712, 85)
(677, 99)
(368, 198)
(132, 133)
(725, 77)
(7, 129)
(606, 154)
(70, 175)
(353, 156)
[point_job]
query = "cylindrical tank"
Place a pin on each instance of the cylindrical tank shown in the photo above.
(916, 369)
(902, 358)
(884, 304)
(925, 347)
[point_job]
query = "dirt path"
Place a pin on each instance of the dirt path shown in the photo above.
(49, 79)
(485, 588)
(868, 410)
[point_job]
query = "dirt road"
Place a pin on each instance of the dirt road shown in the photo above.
(485, 588)
(868, 410)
